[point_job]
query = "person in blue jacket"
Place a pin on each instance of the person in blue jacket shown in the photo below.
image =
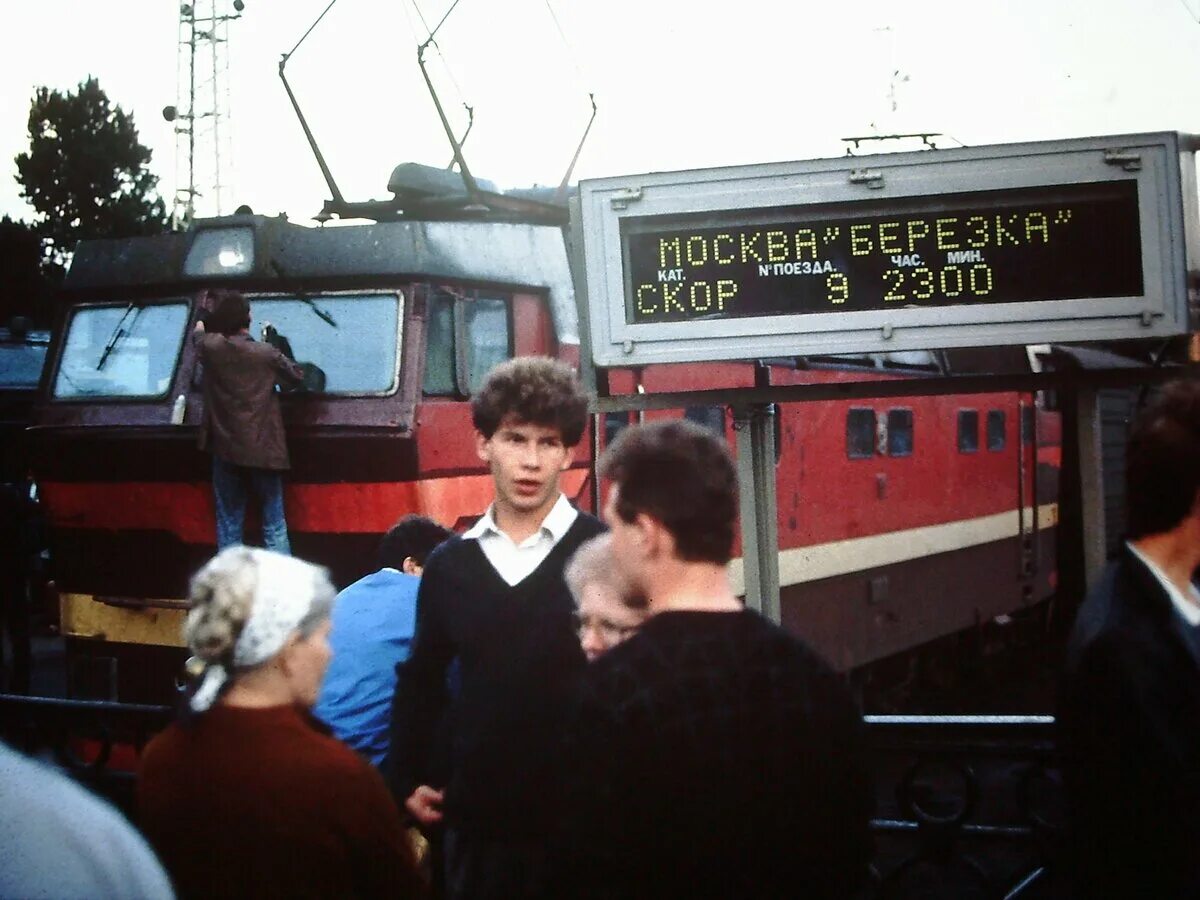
(373, 624)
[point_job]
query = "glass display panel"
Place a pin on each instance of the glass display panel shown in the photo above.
(1002, 246)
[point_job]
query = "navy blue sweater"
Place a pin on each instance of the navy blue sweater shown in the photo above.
(519, 658)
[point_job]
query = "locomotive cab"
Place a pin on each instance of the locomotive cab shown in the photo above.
(395, 323)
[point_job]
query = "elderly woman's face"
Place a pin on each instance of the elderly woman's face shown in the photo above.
(307, 660)
(604, 621)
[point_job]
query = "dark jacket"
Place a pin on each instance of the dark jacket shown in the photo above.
(242, 421)
(1129, 716)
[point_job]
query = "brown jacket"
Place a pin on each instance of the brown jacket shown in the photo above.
(266, 803)
(242, 422)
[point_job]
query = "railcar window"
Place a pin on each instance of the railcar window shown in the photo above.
(900, 432)
(354, 339)
(860, 433)
(711, 417)
(614, 424)
(121, 351)
(968, 431)
(439, 347)
(488, 339)
(996, 437)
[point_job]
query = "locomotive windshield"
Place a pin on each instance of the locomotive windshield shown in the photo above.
(353, 339)
(121, 351)
(21, 364)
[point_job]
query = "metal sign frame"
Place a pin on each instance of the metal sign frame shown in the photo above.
(1162, 164)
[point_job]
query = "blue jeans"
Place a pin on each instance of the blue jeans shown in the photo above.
(229, 494)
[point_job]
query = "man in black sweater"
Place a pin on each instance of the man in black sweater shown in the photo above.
(494, 599)
(713, 754)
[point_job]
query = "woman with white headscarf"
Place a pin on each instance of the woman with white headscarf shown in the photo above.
(249, 795)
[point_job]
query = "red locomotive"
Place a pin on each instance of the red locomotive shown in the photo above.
(899, 521)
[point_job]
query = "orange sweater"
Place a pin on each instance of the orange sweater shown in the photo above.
(263, 802)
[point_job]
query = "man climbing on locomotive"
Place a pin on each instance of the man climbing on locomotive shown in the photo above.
(243, 425)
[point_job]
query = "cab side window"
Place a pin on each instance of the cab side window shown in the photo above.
(466, 335)
(440, 347)
(489, 340)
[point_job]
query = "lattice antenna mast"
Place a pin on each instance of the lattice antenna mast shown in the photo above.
(203, 132)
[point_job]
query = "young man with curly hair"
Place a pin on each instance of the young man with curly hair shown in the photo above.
(494, 602)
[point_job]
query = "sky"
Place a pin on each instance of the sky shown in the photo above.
(678, 85)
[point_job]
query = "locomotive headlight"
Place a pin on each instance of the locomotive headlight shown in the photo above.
(221, 251)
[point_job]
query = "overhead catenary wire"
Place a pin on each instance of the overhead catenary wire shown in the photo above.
(563, 186)
(310, 30)
(431, 38)
(571, 52)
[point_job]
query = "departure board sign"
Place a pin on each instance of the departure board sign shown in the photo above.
(1072, 241)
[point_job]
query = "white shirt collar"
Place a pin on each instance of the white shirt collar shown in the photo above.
(1189, 609)
(557, 522)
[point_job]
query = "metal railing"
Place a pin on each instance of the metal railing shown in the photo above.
(967, 806)
(95, 742)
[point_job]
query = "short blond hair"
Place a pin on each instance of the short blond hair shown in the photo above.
(593, 563)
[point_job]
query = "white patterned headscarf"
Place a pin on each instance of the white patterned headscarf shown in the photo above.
(246, 603)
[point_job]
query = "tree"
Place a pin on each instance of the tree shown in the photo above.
(86, 174)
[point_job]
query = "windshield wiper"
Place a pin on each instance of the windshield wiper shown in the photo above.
(307, 301)
(311, 304)
(118, 334)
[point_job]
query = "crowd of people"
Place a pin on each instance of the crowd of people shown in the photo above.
(554, 705)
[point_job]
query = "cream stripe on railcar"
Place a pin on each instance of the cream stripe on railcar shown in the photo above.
(799, 565)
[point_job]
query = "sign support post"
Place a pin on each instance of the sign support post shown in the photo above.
(1091, 481)
(754, 425)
